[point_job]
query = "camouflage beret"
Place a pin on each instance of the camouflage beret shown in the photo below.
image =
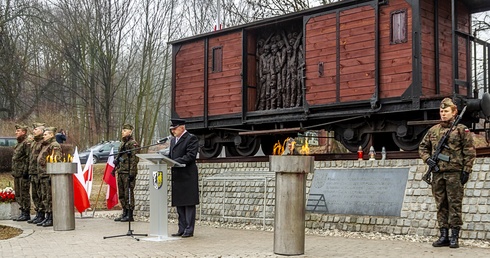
(447, 102)
(36, 125)
(50, 129)
(128, 126)
(23, 127)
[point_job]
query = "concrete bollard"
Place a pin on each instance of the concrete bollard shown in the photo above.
(289, 222)
(62, 194)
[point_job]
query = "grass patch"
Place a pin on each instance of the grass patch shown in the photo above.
(98, 188)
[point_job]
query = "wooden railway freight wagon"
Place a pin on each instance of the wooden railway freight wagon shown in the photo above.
(374, 72)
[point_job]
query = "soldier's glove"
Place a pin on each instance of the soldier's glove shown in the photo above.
(431, 162)
(464, 177)
(25, 176)
(131, 178)
(113, 172)
(116, 162)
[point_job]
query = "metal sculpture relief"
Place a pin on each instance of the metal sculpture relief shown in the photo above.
(280, 63)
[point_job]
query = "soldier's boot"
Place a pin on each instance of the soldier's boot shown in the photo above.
(49, 220)
(41, 217)
(28, 214)
(40, 223)
(35, 218)
(129, 217)
(124, 214)
(454, 243)
(24, 216)
(17, 218)
(443, 239)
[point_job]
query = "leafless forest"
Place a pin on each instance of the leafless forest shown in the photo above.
(89, 66)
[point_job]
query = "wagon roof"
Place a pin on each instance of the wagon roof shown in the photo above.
(476, 6)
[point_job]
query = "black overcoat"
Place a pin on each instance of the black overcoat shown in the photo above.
(185, 182)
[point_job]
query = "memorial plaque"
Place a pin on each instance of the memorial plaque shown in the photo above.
(366, 191)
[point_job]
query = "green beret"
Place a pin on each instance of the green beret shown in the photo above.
(128, 126)
(36, 125)
(50, 129)
(23, 127)
(447, 102)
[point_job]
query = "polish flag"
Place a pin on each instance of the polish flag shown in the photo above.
(80, 197)
(88, 173)
(111, 195)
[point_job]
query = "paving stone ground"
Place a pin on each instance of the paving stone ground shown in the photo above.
(87, 240)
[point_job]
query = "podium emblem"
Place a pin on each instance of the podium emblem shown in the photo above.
(157, 179)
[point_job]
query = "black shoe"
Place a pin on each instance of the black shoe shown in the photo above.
(443, 239)
(39, 220)
(177, 234)
(186, 235)
(124, 214)
(454, 243)
(46, 217)
(129, 217)
(48, 223)
(36, 218)
(25, 216)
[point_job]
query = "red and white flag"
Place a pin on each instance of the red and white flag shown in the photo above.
(111, 195)
(80, 197)
(88, 173)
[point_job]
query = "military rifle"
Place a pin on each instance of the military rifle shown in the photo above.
(437, 155)
(117, 160)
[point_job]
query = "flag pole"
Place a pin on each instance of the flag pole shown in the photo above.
(97, 199)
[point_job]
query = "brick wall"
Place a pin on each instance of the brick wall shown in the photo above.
(244, 199)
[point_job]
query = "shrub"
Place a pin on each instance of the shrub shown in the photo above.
(6, 159)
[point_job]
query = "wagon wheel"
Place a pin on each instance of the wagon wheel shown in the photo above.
(248, 147)
(353, 145)
(231, 151)
(405, 143)
(207, 152)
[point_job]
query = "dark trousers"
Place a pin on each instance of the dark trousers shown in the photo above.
(187, 218)
(123, 184)
(36, 192)
(22, 194)
(46, 197)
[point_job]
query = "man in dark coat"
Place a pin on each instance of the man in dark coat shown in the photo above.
(185, 183)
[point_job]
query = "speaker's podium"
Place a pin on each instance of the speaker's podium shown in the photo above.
(158, 195)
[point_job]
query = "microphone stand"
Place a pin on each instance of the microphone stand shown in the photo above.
(130, 231)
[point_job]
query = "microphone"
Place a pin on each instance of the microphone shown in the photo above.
(163, 140)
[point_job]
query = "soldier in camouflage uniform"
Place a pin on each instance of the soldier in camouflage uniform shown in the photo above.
(127, 169)
(51, 148)
(37, 133)
(20, 172)
(448, 183)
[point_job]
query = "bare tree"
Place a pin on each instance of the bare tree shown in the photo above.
(92, 36)
(17, 53)
(154, 58)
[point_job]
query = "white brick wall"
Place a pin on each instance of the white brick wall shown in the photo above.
(245, 199)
